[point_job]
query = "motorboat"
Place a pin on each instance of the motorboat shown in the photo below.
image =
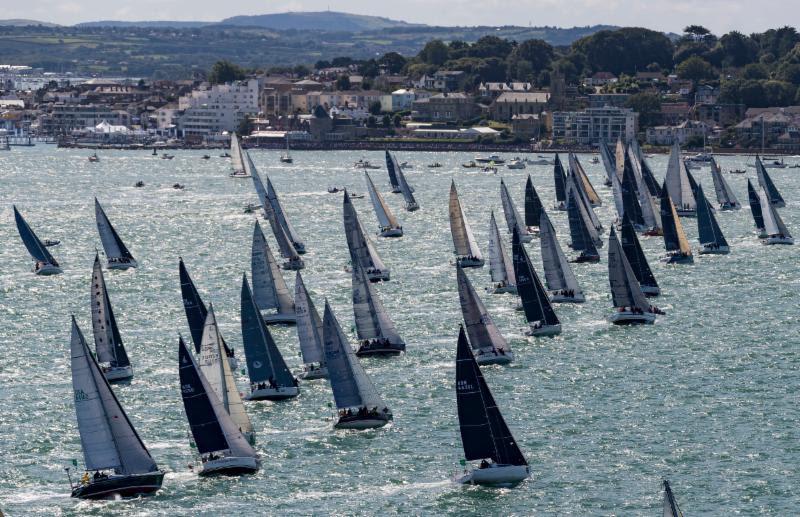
(490, 159)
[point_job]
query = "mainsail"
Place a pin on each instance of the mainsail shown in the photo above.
(535, 301)
(107, 341)
(773, 224)
(755, 206)
(309, 324)
(609, 161)
(513, 218)
(484, 433)
(371, 318)
(236, 155)
(533, 205)
(463, 240)
(707, 228)
(350, 384)
(280, 216)
(635, 255)
(406, 190)
(35, 247)
(264, 361)
(392, 166)
(674, 236)
(677, 182)
(625, 289)
(195, 308)
(766, 183)
(501, 268)
(586, 185)
(557, 272)
(288, 251)
(583, 233)
(483, 333)
(112, 243)
(670, 506)
(212, 428)
(108, 438)
(630, 195)
(386, 218)
(725, 196)
(560, 179)
(361, 248)
(269, 287)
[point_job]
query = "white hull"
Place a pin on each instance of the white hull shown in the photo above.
(490, 355)
(280, 393)
(469, 262)
(280, 319)
(392, 232)
(708, 249)
(562, 298)
(544, 330)
(48, 269)
(230, 465)
(678, 259)
(316, 373)
(506, 289)
(118, 373)
(293, 265)
(122, 265)
(630, 318)
(501, 475)
(778, 240)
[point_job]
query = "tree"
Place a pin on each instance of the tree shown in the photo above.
(491, 46)
(343, 83)
(386, 121)
(225, 72)
(625, 50)
(245, 126)
(697, 31)
(434, 53)
(375, 108)
(393, 62)
(695, 69)
(397, 120)
(369, 68)
(736, 49)
(372, 122)
(301, 71)
(342, 61)
(755, 71)
(648, 105)
(319, 65)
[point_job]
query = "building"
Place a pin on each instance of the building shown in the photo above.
(593, 125)
(526, 126)
(65, 118)
(768, 125)
(718, 115)
(444, 107)
(509, 104)
(673, 113)
(221, 107)
(443, 80)
(494, 90)
(682, 133)
(600, 79)
(600, 100)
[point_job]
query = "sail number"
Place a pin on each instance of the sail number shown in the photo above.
(80, 396)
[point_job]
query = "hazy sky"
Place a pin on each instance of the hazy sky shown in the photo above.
(667, 15)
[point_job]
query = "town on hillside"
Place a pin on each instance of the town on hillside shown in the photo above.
(733, 92)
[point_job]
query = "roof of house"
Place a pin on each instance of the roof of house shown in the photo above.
(537, 97)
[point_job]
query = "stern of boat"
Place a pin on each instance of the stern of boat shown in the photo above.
(230, 466)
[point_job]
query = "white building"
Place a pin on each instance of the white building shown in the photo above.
(593, 125)
(682, 133)
(402, 99)
(217, 108)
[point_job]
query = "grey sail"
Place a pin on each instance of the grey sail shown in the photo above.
(35, 247)
(108, 438)
(351, 385)
(406, 190)
(625, 289)
(482, 331)
(616, 190)
(513, 219)
(609, 161)
(309, 324)
(575, 184)
(558, 274)
(386, 218)
(269, 287)
(463, 240)
(285, 245)
(773, 224)
(680, 190)
(371, 319)
(107, 340)
(112, 243)
(766, 183)
(391, 167)
(500, 266)
(708, 229)
(586, 185)
(723, 191)
(280, 216)
(361, 248)
(236, 155)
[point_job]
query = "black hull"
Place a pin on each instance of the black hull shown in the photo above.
(230, 471)
(380, 350)
(590, 259)
(124, 486)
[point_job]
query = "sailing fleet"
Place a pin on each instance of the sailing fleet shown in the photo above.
(220, 427)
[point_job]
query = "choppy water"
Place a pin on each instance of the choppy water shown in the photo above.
(707, 397)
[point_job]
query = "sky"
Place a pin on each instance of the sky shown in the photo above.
(666, 15)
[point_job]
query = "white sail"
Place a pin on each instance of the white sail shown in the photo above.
(406, 190)
(236, 155)
(372, 320)
(108, 439)
(513, 218)
(625, 289)
(725, 195)
(586, 185)
(557, 272)
(680, 190)
(481, 328)
(463, 240)
(584, 209)
(616, 190)
(385, 217)
(361, 248)
(773, 224)
(101, 322)
(269, 287)
(309, 324)
(608, 161)
(217, 370)
(280, 216)
(500, 265)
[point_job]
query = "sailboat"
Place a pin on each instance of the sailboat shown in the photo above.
(280, 215)
(501, 267)
(45, 263)
(678, 250)
(635, 193)
(560, 179)
(670, 506)
(630, 195)
(111, 446)
(269, 287)
(628, 298)
(637, 260)
(533, 205)
(466, 248)
(485, 435)
(237, 158)
(581, 231)
(774, 227)
(270, 378)
(392, 166)
(388, 224)
(513, 220)
(107, 340)
(196, 313)
(677, 183)
(223, 449)
(586, 185)
(558, 274)
(117, 253)
(489, 345)
(218, 373)
(619, 157)
(574, 184)
(361, 248)
(377, 334)
(359, 404)
(309, 332)
(286, 157)
(709, 233)
(406, 190)
(538, 310)
(725, 196)
(609, 162)
(766, 183)
(755, 209)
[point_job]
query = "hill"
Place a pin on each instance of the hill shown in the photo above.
(25, 23)
(317, 21)
(144, 24)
